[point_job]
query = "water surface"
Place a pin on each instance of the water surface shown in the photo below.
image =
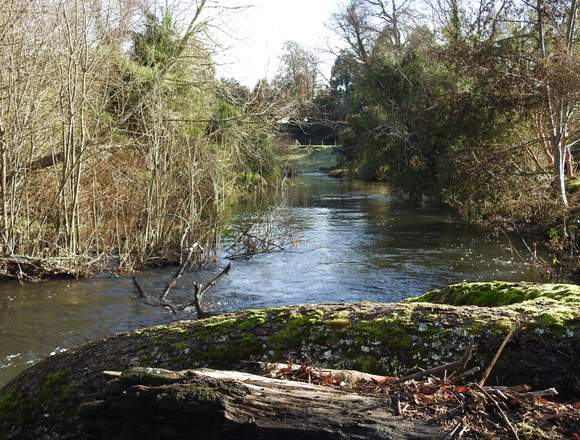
(354, 242)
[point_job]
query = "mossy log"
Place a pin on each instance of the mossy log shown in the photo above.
(389, 339)
(160, 404)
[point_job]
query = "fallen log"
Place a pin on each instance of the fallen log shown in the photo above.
(383, 339)
(275, 369)
(159, 404)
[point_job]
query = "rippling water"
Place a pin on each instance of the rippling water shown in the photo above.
(354, 243)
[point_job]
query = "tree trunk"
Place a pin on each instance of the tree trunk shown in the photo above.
(388, 339)
(569, 164)
(160, 404)
(560, 172)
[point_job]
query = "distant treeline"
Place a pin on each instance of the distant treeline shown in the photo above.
(474, 104)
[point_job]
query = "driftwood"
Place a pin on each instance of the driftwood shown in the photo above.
(158, 404)
(198, 290)
(276, 369)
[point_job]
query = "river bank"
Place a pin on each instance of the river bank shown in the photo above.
(353, 242)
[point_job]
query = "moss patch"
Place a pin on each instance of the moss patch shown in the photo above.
(15, 413)
(295, 328)
(57, 396)
(498, 293)
(553, 307)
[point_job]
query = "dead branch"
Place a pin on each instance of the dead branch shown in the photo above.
(139, 289)
(149, 300)
(171, 284)
(459, 377)
(551, 392)
(276, 370)
(497, 355)
(199, 290)
(201, 314)
(459, 364)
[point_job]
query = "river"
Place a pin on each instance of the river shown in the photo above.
(354, 242)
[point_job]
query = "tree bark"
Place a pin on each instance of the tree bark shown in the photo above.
(160, 404)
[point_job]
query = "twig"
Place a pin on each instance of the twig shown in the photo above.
(510, 389)
(171, 284)
(550, 392)
(199, 290)
(463, 431)
(467, 373)
(420, 374)
(500, 411)
(498, 354)
(446, 367)
(451, 434)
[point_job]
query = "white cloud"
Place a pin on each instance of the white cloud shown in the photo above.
(257, 35)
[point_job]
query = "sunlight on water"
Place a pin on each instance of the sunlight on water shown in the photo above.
(354, 243)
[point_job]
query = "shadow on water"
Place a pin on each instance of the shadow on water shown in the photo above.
(355, 242)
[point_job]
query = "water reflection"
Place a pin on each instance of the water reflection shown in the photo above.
(355, 243)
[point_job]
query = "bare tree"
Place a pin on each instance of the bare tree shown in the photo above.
(555, 32)
(103, 157)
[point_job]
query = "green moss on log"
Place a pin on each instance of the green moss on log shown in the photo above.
(499, 293)
(17, 411)
(553, 307)
(390, 339)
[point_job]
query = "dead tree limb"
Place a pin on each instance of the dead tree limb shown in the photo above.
(171, 284)
(139, 289)
(149, 300)
(497, 355)
(277, 369)
(200, 289)
(216, 279)
(226, 404)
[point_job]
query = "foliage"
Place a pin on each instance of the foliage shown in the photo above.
(135, 159)
(456, 111)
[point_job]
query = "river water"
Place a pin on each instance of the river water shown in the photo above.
(354, 242)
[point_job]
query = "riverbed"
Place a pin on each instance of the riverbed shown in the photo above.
(352, 242)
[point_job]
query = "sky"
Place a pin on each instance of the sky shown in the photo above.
(255, 37)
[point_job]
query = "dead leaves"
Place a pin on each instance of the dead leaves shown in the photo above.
(462, 410)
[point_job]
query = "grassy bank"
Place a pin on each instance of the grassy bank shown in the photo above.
(311, 158)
